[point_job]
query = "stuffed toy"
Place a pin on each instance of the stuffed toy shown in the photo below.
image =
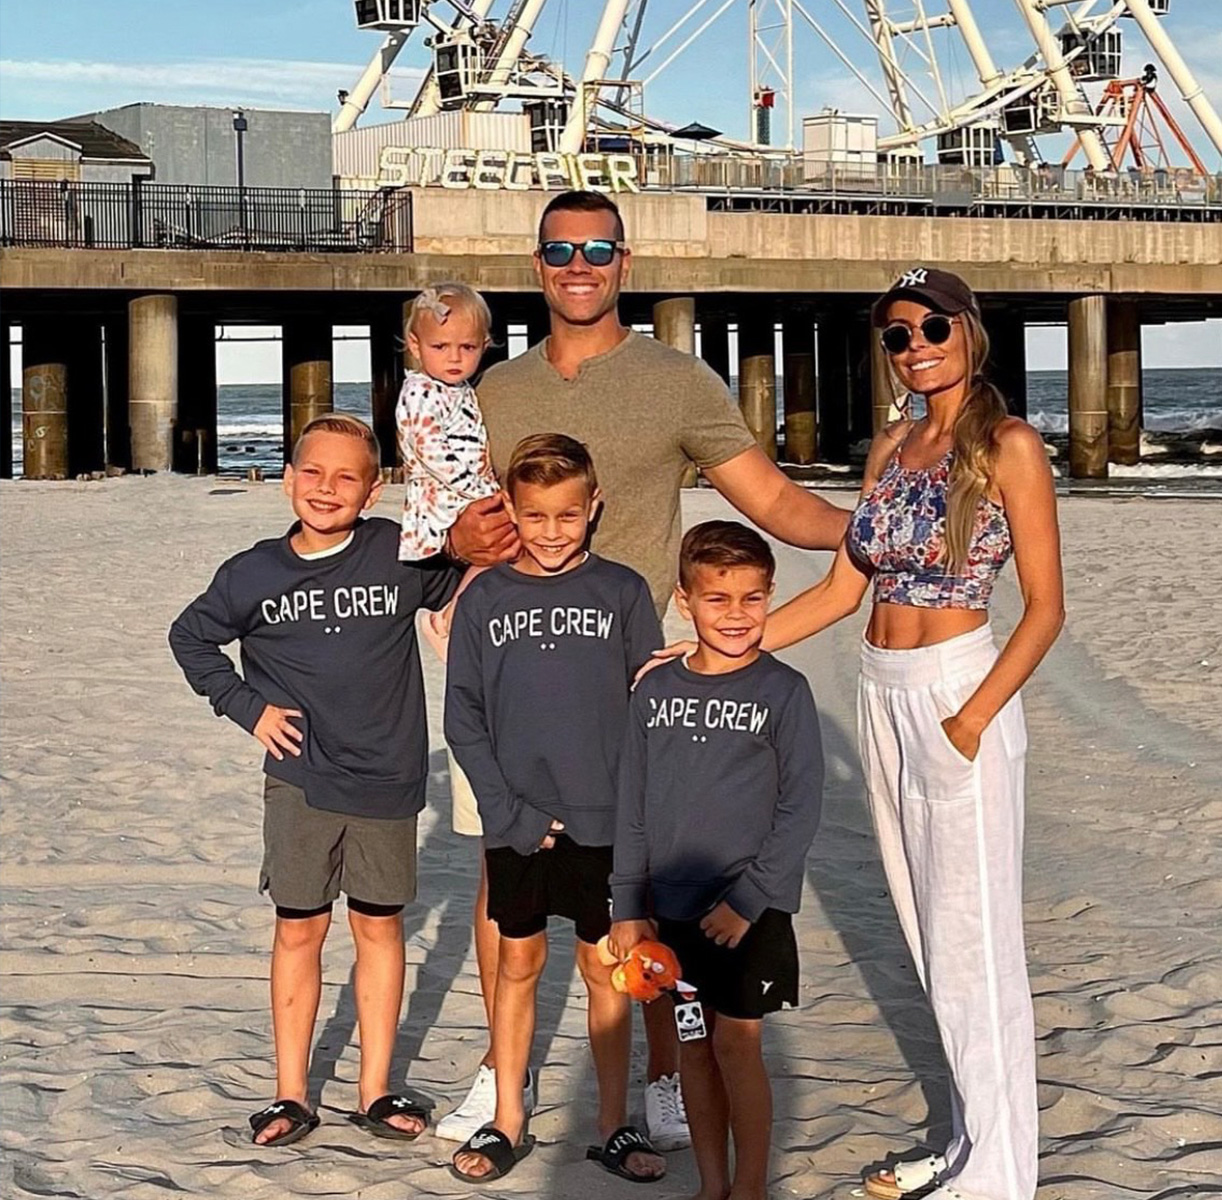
(649, 970)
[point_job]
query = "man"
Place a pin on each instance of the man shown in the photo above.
(645, 411)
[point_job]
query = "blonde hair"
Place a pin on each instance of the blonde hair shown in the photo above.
(347, 424)
(441, 299)
(974, 445)
(546, 459)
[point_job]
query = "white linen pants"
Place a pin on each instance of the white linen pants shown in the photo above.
(950, 833)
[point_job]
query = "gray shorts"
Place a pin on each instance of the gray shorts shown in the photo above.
(311, 855)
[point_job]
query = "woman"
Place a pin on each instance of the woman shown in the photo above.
(945, 501)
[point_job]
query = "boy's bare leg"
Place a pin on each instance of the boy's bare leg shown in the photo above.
(296, 984)
(708, 1112)
(661, 1040)
(378, 981)
(736, 1044)
(520, 962)
(609, 1014)
(487, 949)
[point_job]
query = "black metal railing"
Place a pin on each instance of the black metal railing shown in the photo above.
(128, 216)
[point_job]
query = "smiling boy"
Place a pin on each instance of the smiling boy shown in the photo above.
(331, 688)
(720, 789)
(542, 654)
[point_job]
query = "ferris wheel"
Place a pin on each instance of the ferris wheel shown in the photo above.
(925, 64)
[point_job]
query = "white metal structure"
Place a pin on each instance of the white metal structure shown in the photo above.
(904, 53)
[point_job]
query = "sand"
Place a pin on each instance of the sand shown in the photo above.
(135, 1026)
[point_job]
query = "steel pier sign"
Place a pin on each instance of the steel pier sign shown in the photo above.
(505, 170)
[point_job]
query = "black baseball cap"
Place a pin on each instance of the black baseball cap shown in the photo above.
(942, 291)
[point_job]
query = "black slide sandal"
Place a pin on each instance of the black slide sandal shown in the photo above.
(497, 1149)
(626, 1140)
(301, 1121)
(376, 1118)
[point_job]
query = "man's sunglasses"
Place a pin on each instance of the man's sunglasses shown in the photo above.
(598, 252)
(935, 329)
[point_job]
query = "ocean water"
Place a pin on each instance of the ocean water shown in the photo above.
(1183, 420)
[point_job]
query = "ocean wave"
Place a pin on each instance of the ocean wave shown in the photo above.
(1175, 420)
(272, 429)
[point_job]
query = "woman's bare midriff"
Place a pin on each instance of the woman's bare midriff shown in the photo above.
(903, 627)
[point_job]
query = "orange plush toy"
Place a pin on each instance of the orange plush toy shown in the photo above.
(649, 970)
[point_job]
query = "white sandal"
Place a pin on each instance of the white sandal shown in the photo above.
(905, 1177)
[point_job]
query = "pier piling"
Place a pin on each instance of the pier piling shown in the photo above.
(6, 384)
(674, 322)
(1123, 381)
(152, 401)
(798, 378)
(307, 374)
(386, 343)
(757, 377)
(86, 395)
(195, 429)
(118, 428)
(44, 401)
(1088, 419)
(833, 389)
(715, 342)
(1007, 365)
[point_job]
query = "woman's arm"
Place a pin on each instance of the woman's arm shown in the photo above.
(1025, 481)
(841, 590)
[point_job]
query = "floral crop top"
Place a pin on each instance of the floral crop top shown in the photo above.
(899, 530)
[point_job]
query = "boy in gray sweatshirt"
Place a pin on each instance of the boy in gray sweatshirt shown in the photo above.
(542, 654)
(721, 783)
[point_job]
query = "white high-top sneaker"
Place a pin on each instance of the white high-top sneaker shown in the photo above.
(665, 1116)
(478, 1107)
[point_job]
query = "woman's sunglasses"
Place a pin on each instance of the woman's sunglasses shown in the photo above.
(598, 252)
(935, 329)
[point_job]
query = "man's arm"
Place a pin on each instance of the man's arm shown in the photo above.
(762, 493)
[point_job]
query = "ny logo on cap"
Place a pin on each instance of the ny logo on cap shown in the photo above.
(913, 278)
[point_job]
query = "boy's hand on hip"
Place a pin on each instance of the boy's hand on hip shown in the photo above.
(276, 733)
(626, 934)
(483, 534)
(550, 840)
(725, 926)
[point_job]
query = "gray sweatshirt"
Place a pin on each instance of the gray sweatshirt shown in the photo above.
(334, 637)
(721, 785)
(537, 695)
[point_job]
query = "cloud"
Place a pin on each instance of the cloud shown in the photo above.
(279, 83)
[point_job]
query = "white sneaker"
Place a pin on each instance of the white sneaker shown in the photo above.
(665, 1116)
(478, 1107)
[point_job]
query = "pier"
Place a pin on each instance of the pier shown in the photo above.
(118, 314)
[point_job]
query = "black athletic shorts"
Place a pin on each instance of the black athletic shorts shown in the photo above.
(758, 976)
(569, 880)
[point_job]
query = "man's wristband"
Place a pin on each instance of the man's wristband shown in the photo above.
(453, 554)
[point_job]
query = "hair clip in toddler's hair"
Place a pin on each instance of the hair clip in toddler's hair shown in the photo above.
(430, 301)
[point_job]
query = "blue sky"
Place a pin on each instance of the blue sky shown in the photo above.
(276, 54)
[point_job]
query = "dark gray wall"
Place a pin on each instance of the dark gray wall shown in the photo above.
(199, 145)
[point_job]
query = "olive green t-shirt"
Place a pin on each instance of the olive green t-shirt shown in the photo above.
(645, 411)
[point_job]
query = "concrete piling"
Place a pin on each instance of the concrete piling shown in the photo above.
(306, 345)
(195, 428)
(674, 322)
(152, 377)
(6, 399)
(757, 377)
(118, 429)
(1088, 419)
(1007, 365)
(44, 400)
(1123, 381)
(386, 341)
(834, 389)
(801, 434)
(885, 392)
(86, 391)
(715, 342)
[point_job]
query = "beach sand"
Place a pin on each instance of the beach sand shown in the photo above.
(136, 1037)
